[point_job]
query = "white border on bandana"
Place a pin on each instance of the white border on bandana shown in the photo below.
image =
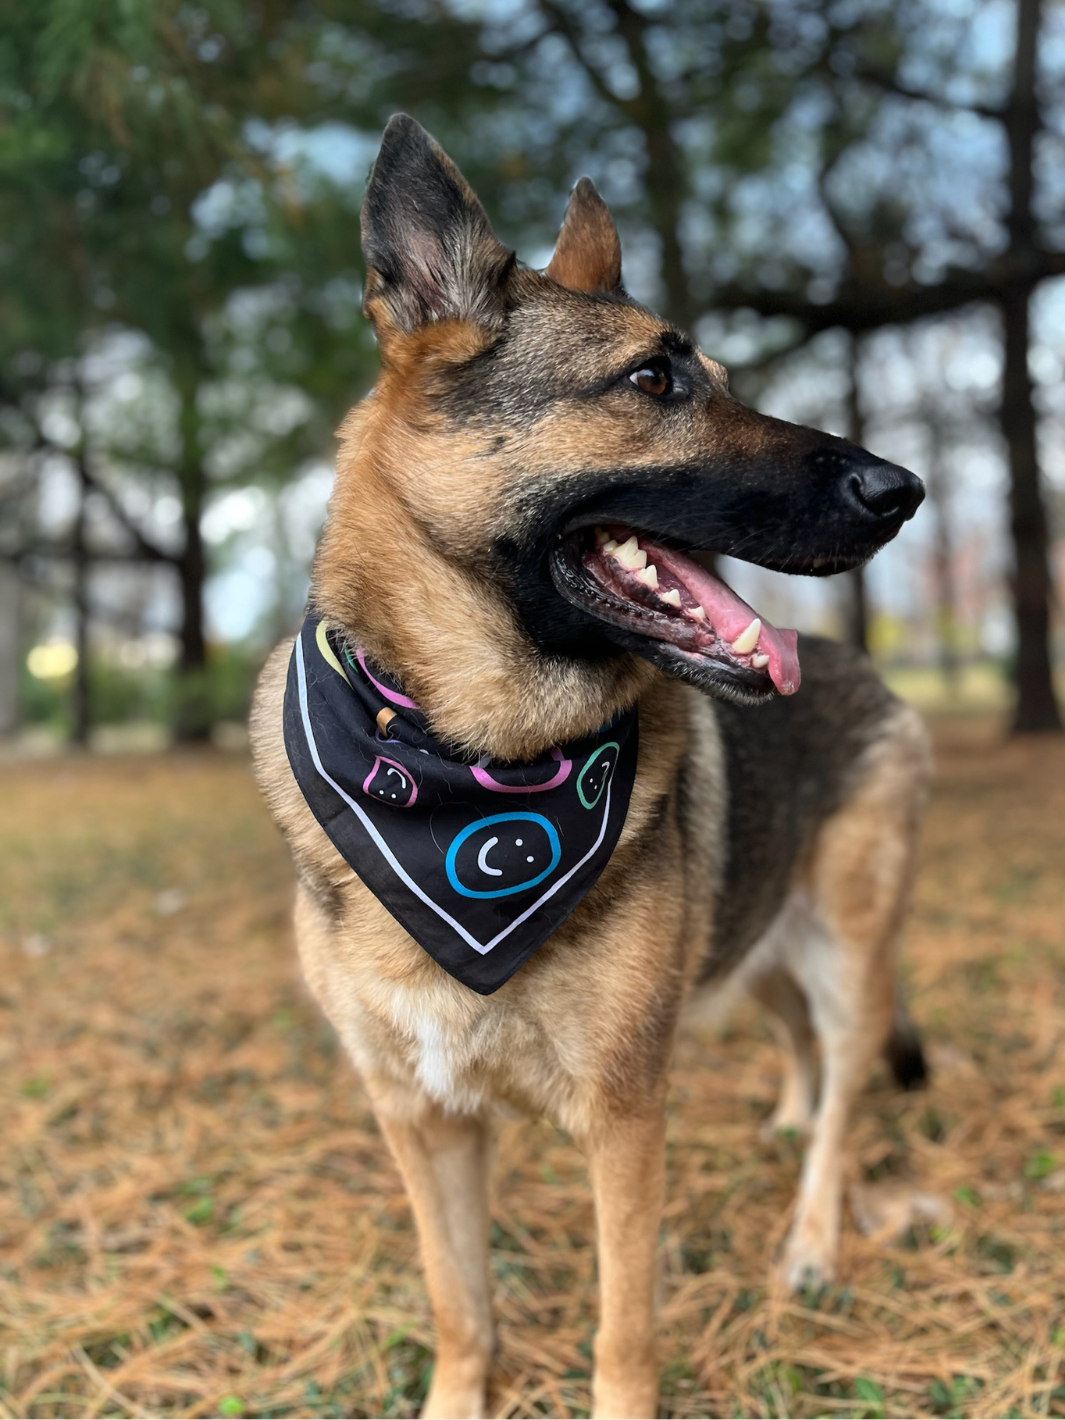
(391, 859)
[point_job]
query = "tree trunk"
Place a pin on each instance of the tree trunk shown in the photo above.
(80, 708)
(856, 603)
(943, 563)
(191, 570)
(10, 647)
(856, 609)
(1036, 708)
(192, 717)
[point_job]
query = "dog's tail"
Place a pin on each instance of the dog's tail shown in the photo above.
(903, 1051)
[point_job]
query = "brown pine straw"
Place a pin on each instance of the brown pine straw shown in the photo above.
(197, 1215)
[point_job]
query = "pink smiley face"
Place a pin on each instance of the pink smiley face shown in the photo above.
(389, 783)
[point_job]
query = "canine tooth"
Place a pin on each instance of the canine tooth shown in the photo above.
(748, 640)
(759, 662)
(671, 598)
(697, 612)
(648, 576)
(631, 555)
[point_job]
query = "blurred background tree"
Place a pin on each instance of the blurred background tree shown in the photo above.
(164, 231)
(854, 204)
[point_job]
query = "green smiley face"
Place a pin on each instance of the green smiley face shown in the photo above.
(595, 776)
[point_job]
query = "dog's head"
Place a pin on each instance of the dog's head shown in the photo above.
(541, 458)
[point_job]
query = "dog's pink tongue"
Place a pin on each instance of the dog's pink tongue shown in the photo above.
(730, 616)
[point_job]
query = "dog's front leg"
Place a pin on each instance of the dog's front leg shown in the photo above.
(444, 1162)
(626, 1161)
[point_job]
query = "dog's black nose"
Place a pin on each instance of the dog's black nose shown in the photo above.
(884, 490)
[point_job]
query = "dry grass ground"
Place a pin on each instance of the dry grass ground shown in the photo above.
(197, 1216)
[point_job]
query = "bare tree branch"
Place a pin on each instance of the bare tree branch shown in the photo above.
(665, 178)
(62, 552)
(147, 551)
(859, 306)
(889, 83)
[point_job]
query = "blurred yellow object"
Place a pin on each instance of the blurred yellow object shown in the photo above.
(51, 661)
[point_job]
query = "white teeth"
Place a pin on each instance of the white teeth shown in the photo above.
(697, 612)
(609, 546)
(759, 662)
(648, 576)
(671, 598)
(747, 640)
(631, 555)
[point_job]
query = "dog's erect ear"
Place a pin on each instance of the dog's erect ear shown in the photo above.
(588, 252)
(430, 252)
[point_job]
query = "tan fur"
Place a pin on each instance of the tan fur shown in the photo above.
(828, 973)
(583, 1032)
(588, 253)
(417, 502)
(436, 1058)
(433, 1054)
(409, 517)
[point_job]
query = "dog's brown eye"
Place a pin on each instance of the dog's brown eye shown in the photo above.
(653, 379)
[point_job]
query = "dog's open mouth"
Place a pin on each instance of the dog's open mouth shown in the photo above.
(641, 586)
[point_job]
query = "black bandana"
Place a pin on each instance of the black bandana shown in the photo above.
(479, 861)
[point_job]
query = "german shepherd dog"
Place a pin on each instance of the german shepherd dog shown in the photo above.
(513, 535)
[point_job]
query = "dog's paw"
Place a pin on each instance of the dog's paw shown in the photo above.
(808, 1265)
(789, 1127)
(453, 1398)
(794, 1112)
(625, 1403)
(885, 1211)
(454, 1405)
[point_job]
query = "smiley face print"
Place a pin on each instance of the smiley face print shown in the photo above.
(502, 855)
(389, 783)
(596, 774)
(558, 776)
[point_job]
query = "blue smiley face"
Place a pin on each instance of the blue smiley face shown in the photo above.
(503, 854)
(595, 776)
